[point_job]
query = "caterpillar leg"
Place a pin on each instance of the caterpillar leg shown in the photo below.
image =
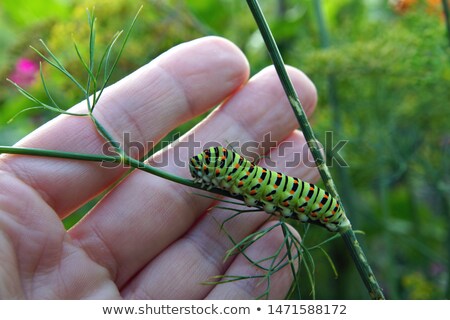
(331, 227)
(270, 207)
(250, 201)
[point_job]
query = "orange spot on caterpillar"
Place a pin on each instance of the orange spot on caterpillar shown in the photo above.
(275, 186)
(229, 178)
(313, 214)
(285, 203)
(260, 180)
(279, 175)
(217, 171)
(223, 158)
(307, 198)
(247, 173)
(269, 198)
(292, 192)
(252, 192)
(311, 188)
(240, 183)
(237, 165)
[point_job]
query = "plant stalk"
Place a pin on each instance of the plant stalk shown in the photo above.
(348, 234)
(362, 265)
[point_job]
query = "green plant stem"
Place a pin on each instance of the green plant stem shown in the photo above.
(383, 196)
(59, 154)
(446, 10)
(295, 286)
(99, 158)
(324, 36)
(126, 160)
(297, 107)
(446, 203)
(348, 234)
(362, 264)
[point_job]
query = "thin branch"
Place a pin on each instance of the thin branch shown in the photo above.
(41, 104)
(127, 35)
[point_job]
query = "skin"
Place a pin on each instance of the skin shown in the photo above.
(149, 238)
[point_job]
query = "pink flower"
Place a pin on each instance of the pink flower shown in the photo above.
(25, 72)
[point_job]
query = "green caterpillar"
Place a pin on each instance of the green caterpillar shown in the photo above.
(273, 191)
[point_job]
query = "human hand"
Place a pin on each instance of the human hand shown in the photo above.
(148, 238)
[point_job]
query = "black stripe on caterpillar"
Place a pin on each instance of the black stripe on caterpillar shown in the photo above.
(275, 192)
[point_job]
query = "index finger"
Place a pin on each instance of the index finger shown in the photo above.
(180, 84)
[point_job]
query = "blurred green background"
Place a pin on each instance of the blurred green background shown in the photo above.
(382, 70)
